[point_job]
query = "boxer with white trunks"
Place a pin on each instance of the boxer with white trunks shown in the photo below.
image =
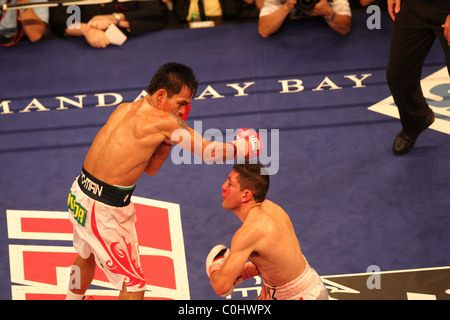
(103, 220)
(136, 139)
(266, 244)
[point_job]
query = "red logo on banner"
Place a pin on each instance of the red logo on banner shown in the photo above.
(42, 271)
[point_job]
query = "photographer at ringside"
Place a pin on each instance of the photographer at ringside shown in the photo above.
(336, 13)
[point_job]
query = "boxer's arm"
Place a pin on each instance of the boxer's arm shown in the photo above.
(242, 245)
(223, 280)
(248, 143)
(209, 151)
(178, 132)
(158, 158)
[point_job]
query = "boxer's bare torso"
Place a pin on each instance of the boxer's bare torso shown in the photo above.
(268, 236)
(276, 251)
(131, 142)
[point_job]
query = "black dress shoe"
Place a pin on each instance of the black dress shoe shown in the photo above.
(405, 141)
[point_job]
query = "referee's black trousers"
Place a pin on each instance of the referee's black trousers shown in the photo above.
(416, 27)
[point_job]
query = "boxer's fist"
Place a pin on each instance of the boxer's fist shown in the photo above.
(216, 258)
(249, 271)
(248, 144)
(186, 112)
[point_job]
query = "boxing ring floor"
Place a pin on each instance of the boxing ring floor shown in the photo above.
(355, 206)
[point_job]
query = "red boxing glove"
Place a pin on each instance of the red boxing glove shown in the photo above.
(248, 144)
(186, 112)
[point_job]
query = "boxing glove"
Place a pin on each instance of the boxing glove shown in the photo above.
(186, 112)
(216, 258)
(248, 144)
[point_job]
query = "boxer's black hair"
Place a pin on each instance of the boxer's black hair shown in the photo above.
(172, 77)
(254, 177)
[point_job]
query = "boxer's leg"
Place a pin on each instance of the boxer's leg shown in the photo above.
(125, 295)
(87, 271)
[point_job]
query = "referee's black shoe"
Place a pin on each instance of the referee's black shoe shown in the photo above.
(405, 141)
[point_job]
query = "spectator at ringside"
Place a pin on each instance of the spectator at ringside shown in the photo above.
(132, 18)
(14, 24)
(215, 10)
(337, 14)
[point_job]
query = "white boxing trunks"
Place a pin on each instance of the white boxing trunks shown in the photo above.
(103, 220)
(307, 286)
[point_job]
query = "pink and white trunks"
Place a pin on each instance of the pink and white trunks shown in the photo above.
(307, 286)
(103, 220)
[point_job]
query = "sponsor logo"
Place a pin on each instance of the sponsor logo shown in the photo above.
(374, 284)
(43, 270)
(219, 91)
(79, 213)
(91, 186)
(413, 284)
(436, 90)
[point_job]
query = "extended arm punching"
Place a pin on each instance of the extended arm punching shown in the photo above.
(248, 144)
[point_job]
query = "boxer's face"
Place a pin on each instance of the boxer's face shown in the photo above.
(231, 192)
(175, 104)
(178, 102)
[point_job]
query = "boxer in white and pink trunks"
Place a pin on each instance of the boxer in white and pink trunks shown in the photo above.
(136, 139)
(103, 220)
(267, 238)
